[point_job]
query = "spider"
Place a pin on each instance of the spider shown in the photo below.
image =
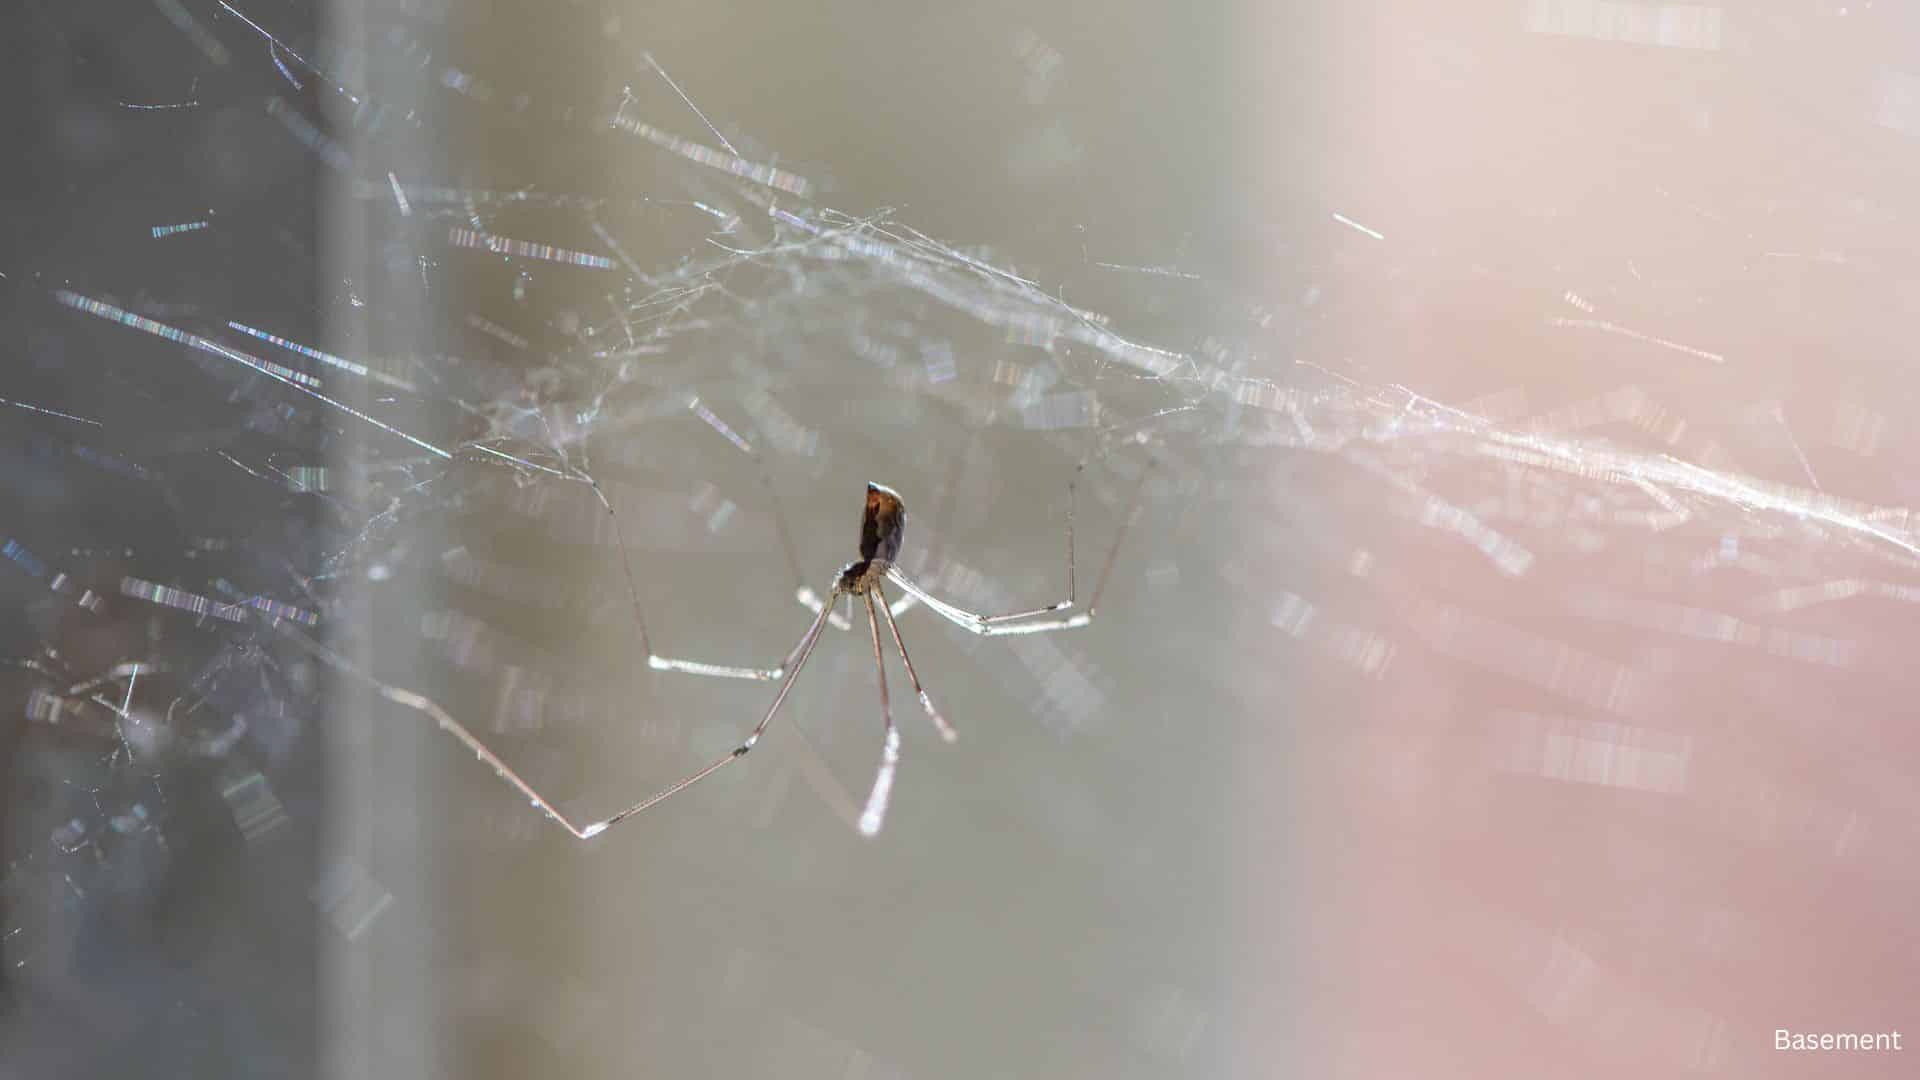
(882, 529)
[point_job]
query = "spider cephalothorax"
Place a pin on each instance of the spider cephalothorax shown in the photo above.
(881, 529)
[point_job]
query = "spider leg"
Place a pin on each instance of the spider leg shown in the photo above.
(945, 500)
(876, 811)
(799, 654)
(811, 601)
(1011, 622)
(806, 596)
(422, 703)
(939, 722)
(691, 667)
(801, 591)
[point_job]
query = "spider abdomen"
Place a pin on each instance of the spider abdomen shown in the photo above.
(883, 526)
(881, 529)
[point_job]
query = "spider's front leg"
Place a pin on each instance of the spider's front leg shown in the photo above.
(796, 659)
(1028, 622)
(991, 625)
(811, 601)
(806, 596)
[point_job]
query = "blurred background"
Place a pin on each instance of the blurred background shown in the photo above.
(1503, 673)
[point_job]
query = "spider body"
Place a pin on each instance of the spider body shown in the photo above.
(882, 528)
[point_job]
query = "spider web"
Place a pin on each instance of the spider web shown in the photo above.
(717, 342)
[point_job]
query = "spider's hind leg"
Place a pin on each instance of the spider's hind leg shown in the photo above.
(1028, 621)
(657, 662)
(876, 812)
(939, 722)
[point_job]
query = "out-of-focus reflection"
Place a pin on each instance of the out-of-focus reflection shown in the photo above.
(1635, 801)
